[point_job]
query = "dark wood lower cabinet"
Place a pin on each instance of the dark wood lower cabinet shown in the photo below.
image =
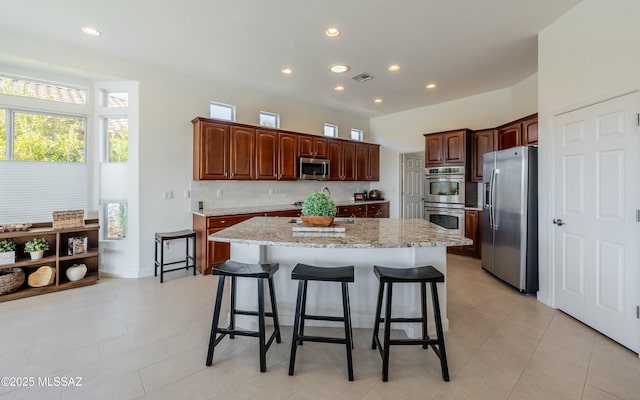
(473, 229)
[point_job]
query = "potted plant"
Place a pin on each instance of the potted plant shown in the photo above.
(318, 210)
(36, 248)
(7, 251)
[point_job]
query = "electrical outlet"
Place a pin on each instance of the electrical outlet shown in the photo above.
(187, 194)
(270, 192)
(219, 193)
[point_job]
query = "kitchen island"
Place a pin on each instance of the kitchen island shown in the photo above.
(401, 243)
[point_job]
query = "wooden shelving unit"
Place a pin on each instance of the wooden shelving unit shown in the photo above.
(57, 257)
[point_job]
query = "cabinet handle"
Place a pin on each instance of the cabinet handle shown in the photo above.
(222, 222)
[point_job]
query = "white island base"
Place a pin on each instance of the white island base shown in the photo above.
(324, 298)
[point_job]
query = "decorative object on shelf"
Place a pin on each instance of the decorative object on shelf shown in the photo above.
(68, 219)
(77, 245)
(36, 248)
(10, 280)
(7, 251)
(76, 272)
(318, 210)
(44, 276)
(15, 227)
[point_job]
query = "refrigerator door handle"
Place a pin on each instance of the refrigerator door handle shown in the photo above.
(492, 195)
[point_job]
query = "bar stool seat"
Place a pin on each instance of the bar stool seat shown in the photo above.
(190, 258)
(423, 275)
(260, 272)
(305, 273)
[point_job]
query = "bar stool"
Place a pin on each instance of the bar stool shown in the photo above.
(189, 260)
(260, 272)
(305, 273)
(421, 275)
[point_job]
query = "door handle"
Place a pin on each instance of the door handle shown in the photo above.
(558, 222)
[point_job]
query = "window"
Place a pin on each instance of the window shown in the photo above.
(33, 136)
(222, 111)
(356, 134)
(269, 119)
(330, 130)
(116, 220)
(117, 139)
(117, 99)
(42, 90)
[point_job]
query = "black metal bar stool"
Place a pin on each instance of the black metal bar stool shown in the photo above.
(260, 272)
(421, 275)
(189, 260)
(305, 273)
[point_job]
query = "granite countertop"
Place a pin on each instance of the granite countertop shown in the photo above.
(362, 233)
(218, 212)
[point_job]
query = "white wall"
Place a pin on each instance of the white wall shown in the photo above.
(168, 102)
(403, 132)
(589, 53)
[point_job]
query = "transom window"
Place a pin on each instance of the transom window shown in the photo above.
(330, 130)
(269, 119)
(356, 134)
(42, 90)
(222, 111)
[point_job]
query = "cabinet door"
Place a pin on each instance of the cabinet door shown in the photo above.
(266, 155)
(305, 146)
(287, 156)
(362, 162)
(217, 252)
(481, 142)
(433, 150)
(348, 161)
(530, 130)
(374, 162)
(472, 231)
(320, 147)
(454, 148)
(509, 136)
(334, 155)
(242, 155)
(211, 158)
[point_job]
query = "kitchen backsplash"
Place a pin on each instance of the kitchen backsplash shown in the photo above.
(217, 194)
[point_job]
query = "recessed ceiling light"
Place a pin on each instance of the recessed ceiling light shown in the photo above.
(339, 68)
(91, 31)
(332, 32)
(378, 100)
(431, 86)
(339, 88)
(394, 68)
(286, 70)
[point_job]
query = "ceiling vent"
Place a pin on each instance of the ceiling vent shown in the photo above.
(362, 77)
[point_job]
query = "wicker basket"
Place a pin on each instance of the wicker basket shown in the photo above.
(68, 219)
(10, 280)
(44, 276)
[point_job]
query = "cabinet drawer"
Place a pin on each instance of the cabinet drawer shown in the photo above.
(346, 211)
(227, 220)
(374, 207)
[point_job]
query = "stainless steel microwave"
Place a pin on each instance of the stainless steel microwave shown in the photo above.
(313, 169)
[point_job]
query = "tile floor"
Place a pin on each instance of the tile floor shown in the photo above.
(138, 339)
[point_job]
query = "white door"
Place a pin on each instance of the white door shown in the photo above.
(412, 185)
(596, 152)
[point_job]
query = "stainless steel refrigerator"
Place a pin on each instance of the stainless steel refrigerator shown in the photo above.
(510, 216)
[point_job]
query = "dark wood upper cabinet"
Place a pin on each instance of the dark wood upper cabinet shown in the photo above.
(287, 156)
(348, 161)
(509, 136)
(481, 142)
(266, 155)
(446, 148)
(362, 162)
(334, 155)
(530, 130)
(374, 162)
(309, 146)
(210, 150)
(242, 152)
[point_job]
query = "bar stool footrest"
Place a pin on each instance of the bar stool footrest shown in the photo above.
(322, 339)
(323, 318)
(399, 319)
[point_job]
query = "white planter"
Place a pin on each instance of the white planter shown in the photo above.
(8, 257)
(36, 255)
(76, 272)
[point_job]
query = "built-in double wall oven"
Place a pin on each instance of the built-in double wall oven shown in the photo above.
(444, 194)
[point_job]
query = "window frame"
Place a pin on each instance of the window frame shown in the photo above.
(269, 114)
(333, 127)
(230, 107)
(47, 82)
(360, 134)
